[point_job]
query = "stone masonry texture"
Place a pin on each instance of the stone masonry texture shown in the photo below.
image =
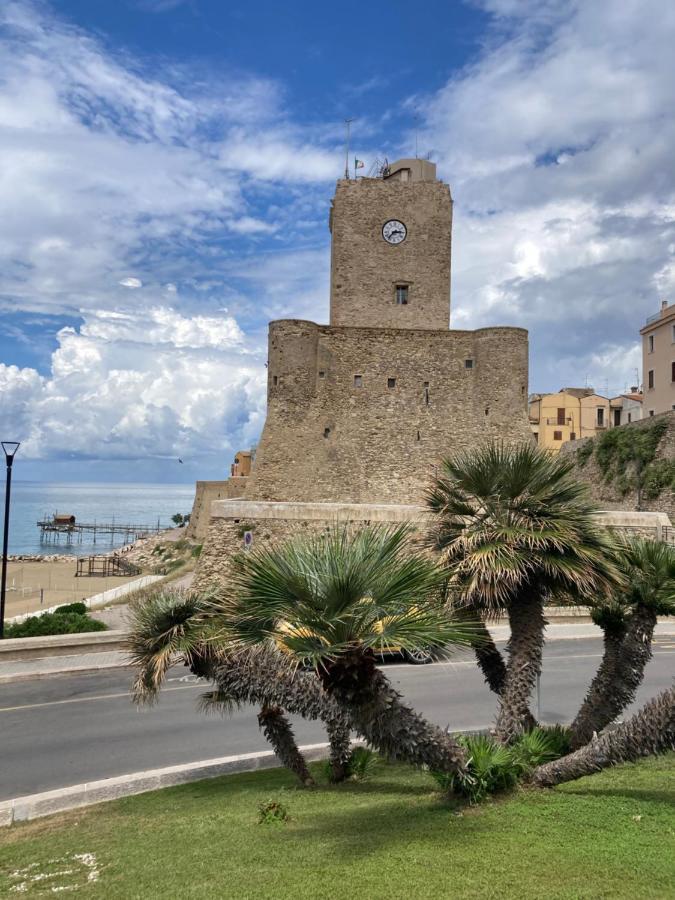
(365, 269)
(363, 414)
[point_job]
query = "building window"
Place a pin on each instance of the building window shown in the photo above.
(651, 412)
(275, 380)
(600, 417)
(573, 435)
(672, 371)
(322, 374)
(650, 379)
(650, 342)
(326, 432)
(358, 381)
(617, 417)
(468, 364)
(672, 336)
(402, 294)
(561, 416)
(391, 382)
(426, 393)
(557, 435)
(630, 417)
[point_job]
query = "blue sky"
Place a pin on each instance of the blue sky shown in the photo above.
(166, 173)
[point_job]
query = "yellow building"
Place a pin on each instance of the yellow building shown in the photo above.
(569, 415)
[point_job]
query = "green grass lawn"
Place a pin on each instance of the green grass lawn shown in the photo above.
(390, 836)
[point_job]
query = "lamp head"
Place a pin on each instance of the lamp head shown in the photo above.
(10, 448)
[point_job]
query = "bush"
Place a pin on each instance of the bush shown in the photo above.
(494, 767)
(362, 764)
(54, 623)
(80, 608)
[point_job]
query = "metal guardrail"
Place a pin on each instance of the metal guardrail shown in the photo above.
(653, 318)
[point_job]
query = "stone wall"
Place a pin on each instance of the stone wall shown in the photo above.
(271, 523)
(365, 268)
(205, 493)
(328, 439)
(606, 494)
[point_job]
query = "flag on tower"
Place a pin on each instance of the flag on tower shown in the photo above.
(358, 163)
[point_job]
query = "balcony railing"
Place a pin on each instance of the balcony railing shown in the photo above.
(557, 421)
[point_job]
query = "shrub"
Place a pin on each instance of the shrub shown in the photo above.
(79, 608)
(494, 767)
(539, 746)
(54, 623)
(197, 551)
(272, 812)
(361, 764)
(491, 769)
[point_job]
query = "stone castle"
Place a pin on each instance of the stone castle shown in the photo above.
(361, 410)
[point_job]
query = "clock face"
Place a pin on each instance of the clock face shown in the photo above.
(394, 232)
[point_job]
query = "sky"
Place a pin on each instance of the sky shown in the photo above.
(166, 169)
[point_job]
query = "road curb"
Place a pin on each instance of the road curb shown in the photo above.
(59, 673)
(34, 806)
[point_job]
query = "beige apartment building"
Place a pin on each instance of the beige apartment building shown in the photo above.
(658, 360)
(569, 415)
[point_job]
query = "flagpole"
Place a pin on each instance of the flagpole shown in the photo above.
(348, 123)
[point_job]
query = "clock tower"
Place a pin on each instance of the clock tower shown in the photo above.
(390, 249)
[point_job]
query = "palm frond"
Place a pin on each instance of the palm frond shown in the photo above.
(161, 628)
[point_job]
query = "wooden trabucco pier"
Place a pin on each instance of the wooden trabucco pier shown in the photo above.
(65, 528)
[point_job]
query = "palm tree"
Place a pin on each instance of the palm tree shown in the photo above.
(628, 620)
(175, 624)
(514, 529)
(649, 731)
(333, 602)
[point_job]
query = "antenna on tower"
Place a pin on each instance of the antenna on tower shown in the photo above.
(348, 125)
(416, 120)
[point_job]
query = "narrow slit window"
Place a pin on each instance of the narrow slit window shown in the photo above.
(326, 432)
(358, 381)
(275, 380)
(468, 364)
(322, 374)
(402, 294)
(391, 382)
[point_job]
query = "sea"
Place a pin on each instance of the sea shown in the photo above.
(144, 505)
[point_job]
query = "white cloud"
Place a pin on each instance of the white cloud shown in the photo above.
(131, 282)
(558, 143)
(129, 385)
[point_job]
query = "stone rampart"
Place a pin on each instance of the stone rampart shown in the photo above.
(363, 414)
(205, 493)
(271, 523)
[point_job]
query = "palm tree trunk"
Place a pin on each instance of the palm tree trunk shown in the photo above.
(262, 676)
(378, 714)
(619, 676)
(593, 710)
(278, 731)
(490, 661)
(526, 618)
(339, 736)
(649, 731)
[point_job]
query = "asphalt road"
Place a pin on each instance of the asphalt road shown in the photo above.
(72, 729)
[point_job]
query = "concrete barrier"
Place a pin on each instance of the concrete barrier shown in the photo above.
(61, 645)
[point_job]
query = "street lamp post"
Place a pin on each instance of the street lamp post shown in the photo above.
(10, 448)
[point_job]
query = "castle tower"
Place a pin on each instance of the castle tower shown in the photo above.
(359, 411)
(390, 249)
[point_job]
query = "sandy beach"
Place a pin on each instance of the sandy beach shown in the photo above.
(37, 585)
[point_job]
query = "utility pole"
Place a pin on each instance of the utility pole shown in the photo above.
(348, 124)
